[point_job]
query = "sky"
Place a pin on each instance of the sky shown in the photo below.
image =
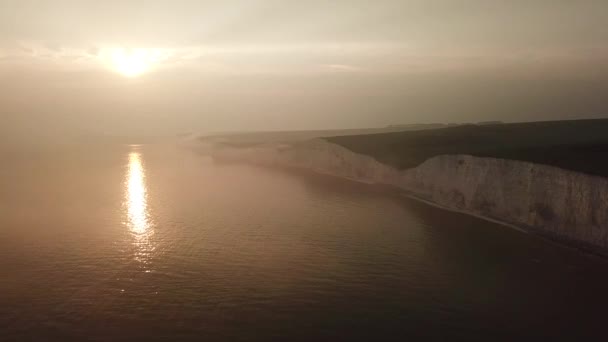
(165, 67)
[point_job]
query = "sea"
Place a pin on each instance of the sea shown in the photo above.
(157, 242)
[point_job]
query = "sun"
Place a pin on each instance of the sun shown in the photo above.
(132, 62)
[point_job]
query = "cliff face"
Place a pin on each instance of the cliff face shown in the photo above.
(565, 205)
(316, 155)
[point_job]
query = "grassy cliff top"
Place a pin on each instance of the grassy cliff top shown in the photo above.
(248, 139)
(578, 145)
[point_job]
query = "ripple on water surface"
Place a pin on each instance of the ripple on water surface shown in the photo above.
(153, 242)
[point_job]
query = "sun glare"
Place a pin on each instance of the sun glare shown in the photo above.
(133, 62)
(137, 207)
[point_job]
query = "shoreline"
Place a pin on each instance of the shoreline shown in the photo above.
(535, 199)
(578, 246)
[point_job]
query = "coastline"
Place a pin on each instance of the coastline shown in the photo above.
(587, 249)
(453, 183)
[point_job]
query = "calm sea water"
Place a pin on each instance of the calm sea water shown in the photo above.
(155, 242)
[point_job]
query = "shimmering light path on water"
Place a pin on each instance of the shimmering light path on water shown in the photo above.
(136, 203)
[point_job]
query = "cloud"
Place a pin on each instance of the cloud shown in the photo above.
(282, 58)
(313, 58)
(343, 67)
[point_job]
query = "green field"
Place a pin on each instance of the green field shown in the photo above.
(579, 145)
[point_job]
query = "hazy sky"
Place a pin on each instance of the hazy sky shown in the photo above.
(254, 64)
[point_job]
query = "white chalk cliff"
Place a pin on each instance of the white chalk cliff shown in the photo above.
(564, 205)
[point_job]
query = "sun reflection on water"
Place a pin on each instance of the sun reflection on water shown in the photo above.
(136, 203)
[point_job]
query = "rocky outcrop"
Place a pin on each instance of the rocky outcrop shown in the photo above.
(564, 205)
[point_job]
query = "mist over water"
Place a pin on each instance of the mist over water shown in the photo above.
(134, 242)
